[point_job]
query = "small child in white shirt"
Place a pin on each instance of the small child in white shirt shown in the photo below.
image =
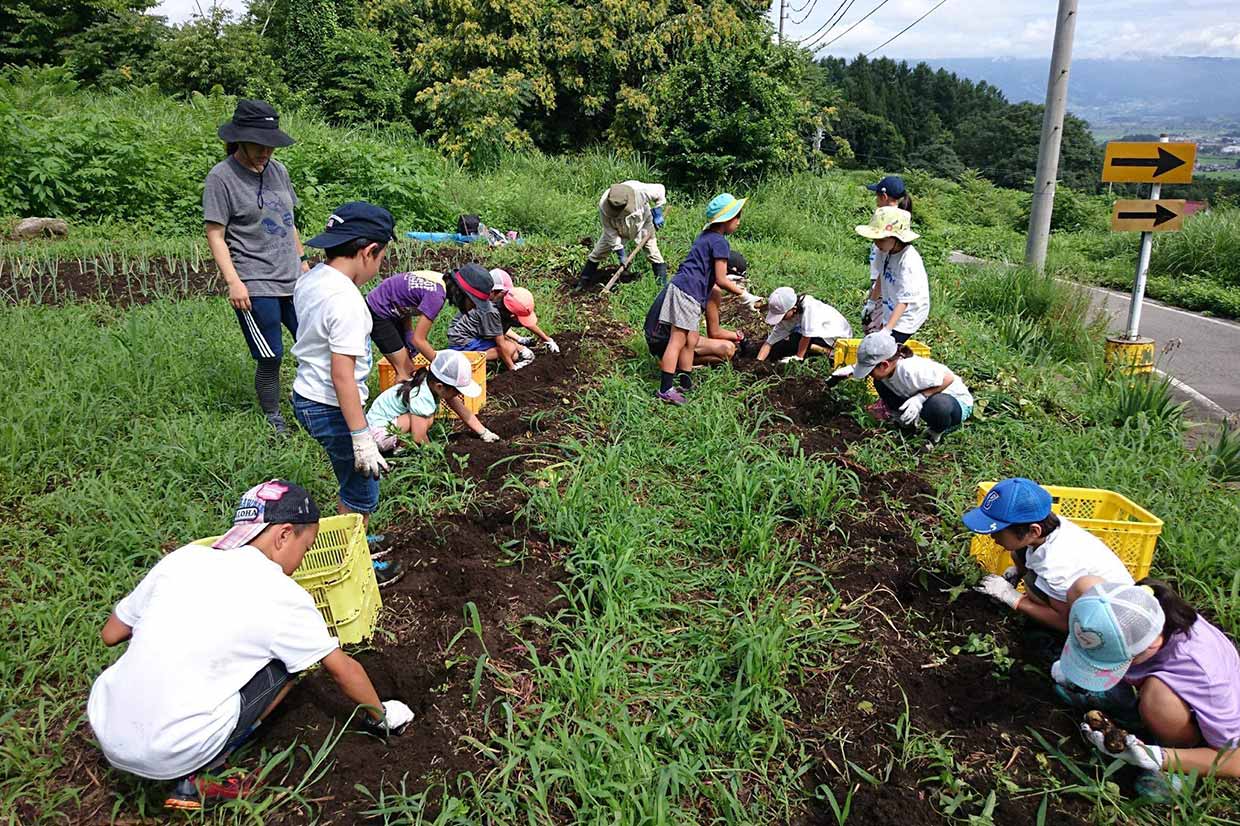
(798, 322)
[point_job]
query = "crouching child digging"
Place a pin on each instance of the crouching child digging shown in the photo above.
(215, 635)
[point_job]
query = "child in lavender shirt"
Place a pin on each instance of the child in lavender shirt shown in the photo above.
(1187, 680)
(393, 304)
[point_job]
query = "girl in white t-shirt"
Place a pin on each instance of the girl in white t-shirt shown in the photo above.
(911, 387)
(798, 322)
(410, 406)
(901, 294)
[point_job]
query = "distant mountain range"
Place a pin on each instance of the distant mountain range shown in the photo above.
(1149, 94)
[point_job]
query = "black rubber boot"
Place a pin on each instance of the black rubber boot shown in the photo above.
(588, 274)
(660, 273)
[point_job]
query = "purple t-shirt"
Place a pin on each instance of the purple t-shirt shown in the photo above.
(400, 296)
(1202, 667)
(696, 275)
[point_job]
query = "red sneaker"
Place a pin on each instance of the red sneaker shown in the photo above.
(193, 792)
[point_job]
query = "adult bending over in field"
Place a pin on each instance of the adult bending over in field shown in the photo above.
(393, 304)
(247, 206)
(890, 191)
(215, 634)
(902, 291)
(1050, 552)
(333, 356)
(1185, 671)
(627, 211)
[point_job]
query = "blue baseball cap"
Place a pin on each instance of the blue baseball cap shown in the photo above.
(1108, 626)
(356, 219)
(892, 185)
(1012, 501)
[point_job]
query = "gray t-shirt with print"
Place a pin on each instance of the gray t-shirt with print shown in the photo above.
(258, 227)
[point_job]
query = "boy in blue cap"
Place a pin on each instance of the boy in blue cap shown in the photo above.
(683, 301)
(333, 355)
(1050, 552)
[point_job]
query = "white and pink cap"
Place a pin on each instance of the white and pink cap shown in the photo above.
(452, 367)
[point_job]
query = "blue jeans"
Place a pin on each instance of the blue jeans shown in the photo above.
(326, 424)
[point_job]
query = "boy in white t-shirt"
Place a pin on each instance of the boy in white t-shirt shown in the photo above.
(333, 356)
(900, 297)
(1051, 552)
(214, 635)
(799, 321)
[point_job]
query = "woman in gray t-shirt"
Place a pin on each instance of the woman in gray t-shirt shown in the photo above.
(247, 206)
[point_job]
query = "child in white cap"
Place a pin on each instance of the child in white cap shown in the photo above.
(901, 294)
(1185, 670)
(799, 321)
(911, 387)
(410, 406)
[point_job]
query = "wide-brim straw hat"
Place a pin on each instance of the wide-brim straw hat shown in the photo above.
(889, 222)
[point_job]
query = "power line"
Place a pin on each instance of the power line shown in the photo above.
(813, 4)
(906, 28)
(800, 8)
(853, 26)
(838, 18)
(830, 23)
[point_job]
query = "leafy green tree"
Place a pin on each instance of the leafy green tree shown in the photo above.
(875, 141)
(213, 51)
(938, 158)
(308, 26)
(117, 50)
(1004, 147)
(360, 81)
(34, 32)
(727, 114)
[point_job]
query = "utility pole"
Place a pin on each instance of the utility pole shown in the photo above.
(1052, 136)
(779, 37)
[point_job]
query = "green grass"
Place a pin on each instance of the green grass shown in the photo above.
(683, 629)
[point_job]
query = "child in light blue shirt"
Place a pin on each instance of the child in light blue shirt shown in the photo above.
(410, 406)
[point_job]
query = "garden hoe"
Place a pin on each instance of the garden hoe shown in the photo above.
(642, 240)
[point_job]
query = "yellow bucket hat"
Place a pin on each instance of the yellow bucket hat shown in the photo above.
(889, 222)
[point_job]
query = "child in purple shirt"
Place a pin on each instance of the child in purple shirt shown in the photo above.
(684, 299)
(1185, 670)
(393, 303)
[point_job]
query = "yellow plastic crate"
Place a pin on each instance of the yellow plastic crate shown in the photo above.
(478, 363)
(1123, 526)
(339, 575)
(845, 352)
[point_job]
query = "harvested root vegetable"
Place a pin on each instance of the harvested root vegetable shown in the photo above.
(1114, 738)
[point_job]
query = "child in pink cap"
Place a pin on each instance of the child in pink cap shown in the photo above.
(517, 310)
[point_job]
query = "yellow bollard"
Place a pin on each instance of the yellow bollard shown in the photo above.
(1129, 356)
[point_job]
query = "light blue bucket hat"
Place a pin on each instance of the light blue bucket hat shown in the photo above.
(723, 207)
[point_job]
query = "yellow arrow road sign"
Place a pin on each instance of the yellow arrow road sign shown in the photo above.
(1149, 162)
(1147, 216)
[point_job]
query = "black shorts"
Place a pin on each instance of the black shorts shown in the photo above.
(388, 334)
(657, 346)
(256, 696)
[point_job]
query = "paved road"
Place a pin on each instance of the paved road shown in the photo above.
(1208, 361)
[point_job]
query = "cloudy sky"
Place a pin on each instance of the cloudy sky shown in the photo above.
(988, 28)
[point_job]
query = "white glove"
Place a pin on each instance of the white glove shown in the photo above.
(366, 456)
(998, 588)
(789, 359)
(525, 354)
(552, 346)
(487, 436)
(750, 300)
(911, 409)
(524, 341)
(517, 365)
(844, 372)
(1135, 753)
(868, 308)
(396, 715)
(1012, 574)
(1058, 676)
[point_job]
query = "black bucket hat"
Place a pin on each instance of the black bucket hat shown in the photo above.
(254, 121)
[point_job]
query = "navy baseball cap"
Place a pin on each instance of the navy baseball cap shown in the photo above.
(356, 219)
(892, 185)
(1014, 501)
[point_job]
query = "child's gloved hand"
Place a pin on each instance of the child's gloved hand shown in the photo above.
(911, 409)
(396, 715)
(487, 436)
(366, 457)
(750, 300)
(1135, 753)
(790, 359)
(867, 310)
(552, 346)
(840, 375)
(998, 588)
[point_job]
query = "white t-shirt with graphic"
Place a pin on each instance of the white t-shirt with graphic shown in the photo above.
(904, 280)
(204, 622)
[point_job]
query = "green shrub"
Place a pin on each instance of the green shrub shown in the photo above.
(360, 82)
(213, 52)
(1208, 246)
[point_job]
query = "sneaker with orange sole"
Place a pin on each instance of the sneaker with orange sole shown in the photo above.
(193, 792)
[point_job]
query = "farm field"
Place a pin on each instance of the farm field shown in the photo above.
(752, 609)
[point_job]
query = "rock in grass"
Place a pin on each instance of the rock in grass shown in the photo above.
(28, 228)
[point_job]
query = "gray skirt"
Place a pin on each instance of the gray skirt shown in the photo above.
(680, 309)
